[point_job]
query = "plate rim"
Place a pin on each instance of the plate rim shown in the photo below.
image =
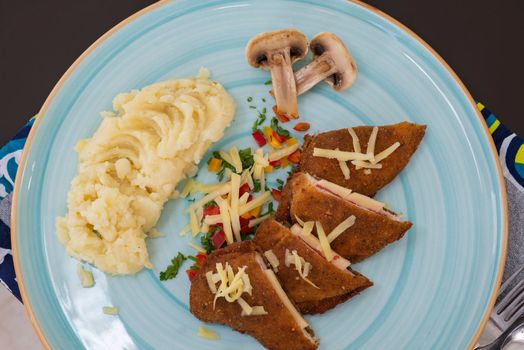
(126, 21)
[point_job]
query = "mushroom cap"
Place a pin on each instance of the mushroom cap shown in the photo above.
(346, 68)
(261, 45)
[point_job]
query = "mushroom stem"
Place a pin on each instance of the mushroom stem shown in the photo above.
(283, 81)
(308, 76)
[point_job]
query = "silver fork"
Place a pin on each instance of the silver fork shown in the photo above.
(508, 309)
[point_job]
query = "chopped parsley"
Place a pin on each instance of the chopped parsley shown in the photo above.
(257, 186)
(268, 82)
(260, 120)
(280, 130)
(249, 99)
(269, 210)
(252, 107)
(246, 157)
(206, 242)
(172, 270)
(280, 183)
(263, 99)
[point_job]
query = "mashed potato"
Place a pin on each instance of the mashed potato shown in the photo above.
(132, 164)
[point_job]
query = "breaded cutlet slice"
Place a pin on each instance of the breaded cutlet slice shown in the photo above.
(333, 283)
(304, 197)
(282, 328)
(408, 134)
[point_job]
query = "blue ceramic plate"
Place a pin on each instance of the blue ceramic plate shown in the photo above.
(433, 289)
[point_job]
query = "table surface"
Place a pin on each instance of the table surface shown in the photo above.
(480, 39)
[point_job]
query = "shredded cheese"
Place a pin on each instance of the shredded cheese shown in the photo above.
(339, 155)
(260, 159)
(340, 191)
(86, 277)
(226, 157)
(343, 226)
(301, 266)
(235, 157)
(254, 222)
(204, 228)
(371, 143)
(197, 248)
(249, 180)
(255, 311)
(224, 189)
(257, 202)
(193, 222)
(306, 227)
(324, 243)
(246, 309)
(187, 188)
(366, 202)
(110, 310)
(356, 142)
(386, 153)
(185, 230)
(345, 169)
(284, 152)
(207, 334)
(235, 218)
(272, 259)
(210, 282)
(213, 219)
(366, 165)
(226, 219)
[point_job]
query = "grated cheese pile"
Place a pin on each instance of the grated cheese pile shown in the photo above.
(231, 287)
(367, 161)
(302, 266)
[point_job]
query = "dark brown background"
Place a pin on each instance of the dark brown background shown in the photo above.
(483, 41)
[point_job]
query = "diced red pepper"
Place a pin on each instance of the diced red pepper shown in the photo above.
(191, 274)
(275, 163)
(282, 118)
(259, 138)
(246, 229)
(201, 257)
(218, 239)
(243, 221)
(211, 210)
(281, 139)
(302, 126)
(294, 157)
(250, 198)
(243, 189)
(276, 194)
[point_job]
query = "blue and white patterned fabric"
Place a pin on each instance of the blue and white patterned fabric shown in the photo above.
(509, 146)
(9, 158)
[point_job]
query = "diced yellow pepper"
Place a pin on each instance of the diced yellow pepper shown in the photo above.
(256, 212)
(268, 169)
(291, 141)
(274, 142)
(284, 163)
(214, 165)
(247, 215)
(268, 132)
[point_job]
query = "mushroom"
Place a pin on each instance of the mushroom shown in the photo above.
(277, 51)
(332, 62)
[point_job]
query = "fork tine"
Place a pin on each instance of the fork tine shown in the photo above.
(509, 280)
(514, 311)
(509, 297)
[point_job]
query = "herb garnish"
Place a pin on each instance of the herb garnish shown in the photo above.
(246, 157)
(280, 130)
(280, 183)
(269, 82)
(172, 270)
(257, 186)
(249, 99)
